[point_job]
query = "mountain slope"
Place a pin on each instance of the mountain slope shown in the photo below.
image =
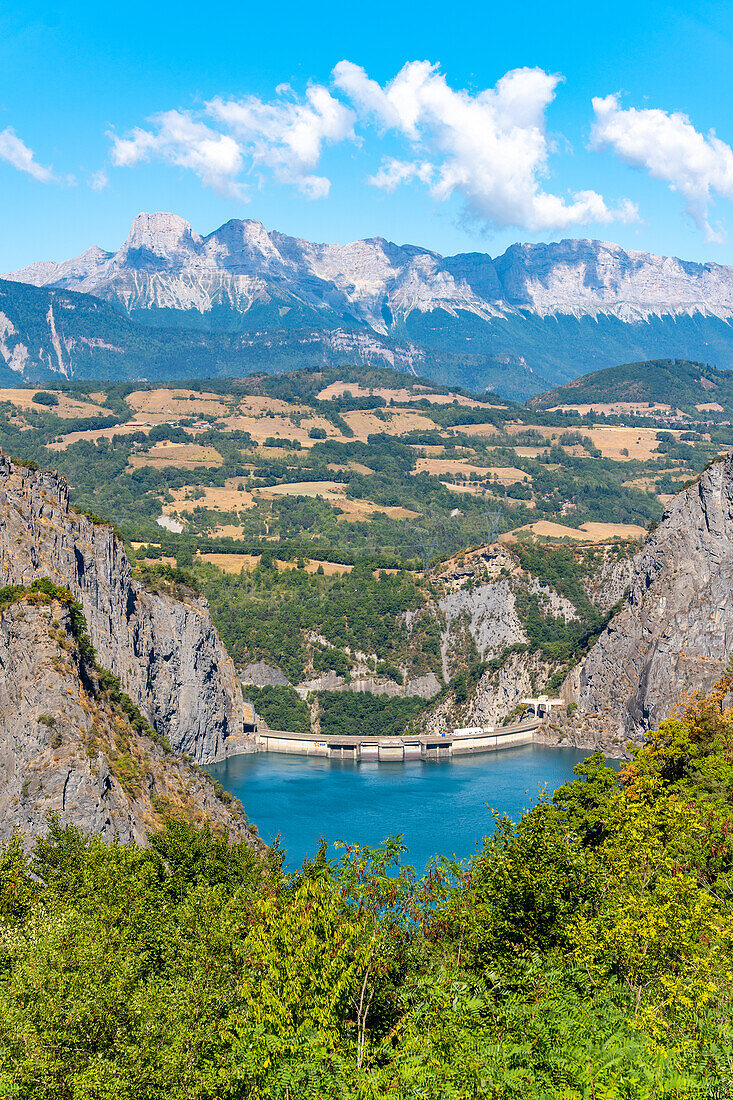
(674, 382)
(165, 651)
(45, 333)
(674, 633)
(67, 747)
(536, 316)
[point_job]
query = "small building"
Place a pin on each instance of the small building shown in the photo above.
(542, 705)
(472, 731)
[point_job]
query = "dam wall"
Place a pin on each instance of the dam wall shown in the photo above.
(420, 747)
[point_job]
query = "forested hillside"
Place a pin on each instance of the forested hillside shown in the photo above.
(677, 383)
(583, 952)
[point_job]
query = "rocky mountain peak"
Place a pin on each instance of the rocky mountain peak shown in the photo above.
(242, 262)
(244, 246)
(164, 235)
(519, 320)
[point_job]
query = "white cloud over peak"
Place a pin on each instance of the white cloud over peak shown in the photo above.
(99, 180)
(15, 152)
(491, 148)
(669, 147)
(393, 172)
(182, 140)
(284, 137)
(287, 136)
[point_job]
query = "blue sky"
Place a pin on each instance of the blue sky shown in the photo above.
(319, 120)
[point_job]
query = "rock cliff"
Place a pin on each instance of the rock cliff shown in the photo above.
(67, 747)
(674, 632)
(165, 651)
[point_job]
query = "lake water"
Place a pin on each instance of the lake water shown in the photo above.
(439, 805)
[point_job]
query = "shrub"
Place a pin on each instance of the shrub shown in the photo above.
(45, 398)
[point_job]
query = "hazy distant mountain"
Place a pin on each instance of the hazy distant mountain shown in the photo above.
(46, 332)
(536, 316)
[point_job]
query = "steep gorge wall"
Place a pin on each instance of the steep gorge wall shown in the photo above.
(165, 651)
(65, 750)
(674, 632)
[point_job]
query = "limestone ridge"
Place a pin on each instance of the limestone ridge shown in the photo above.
(165, 264)
(170, 303)
(165, 651)
(65, 750)
(674, 633)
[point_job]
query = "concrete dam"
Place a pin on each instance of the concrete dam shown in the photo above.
(404, 747)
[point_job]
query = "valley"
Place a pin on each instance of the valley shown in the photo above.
(366, 552)
(213, 533)
(370, 543)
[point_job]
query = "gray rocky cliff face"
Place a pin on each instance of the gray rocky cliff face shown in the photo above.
(164, 263)
(610, 582)
(481, 619)
(165, 651)
(497, 694)
(260, 674)
(674, 633)
(490, 615)
(64, 749)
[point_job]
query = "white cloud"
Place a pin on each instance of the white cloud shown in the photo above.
(182, 140)
(669, 147)
(287, 136)
(15, 152)
(98, 181)
(490, 148)
(393, 172)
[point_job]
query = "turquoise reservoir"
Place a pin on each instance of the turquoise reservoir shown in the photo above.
(439, 805)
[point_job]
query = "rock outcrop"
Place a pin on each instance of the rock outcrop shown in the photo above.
(361, 683)
(482, 626)
(165, 651)
(497, 694)
(674, 632)
(66, 749)
(490, 617)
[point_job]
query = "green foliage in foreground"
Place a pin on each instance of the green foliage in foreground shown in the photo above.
(583, 954)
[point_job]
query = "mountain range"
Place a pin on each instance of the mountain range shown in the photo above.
(170, 303)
